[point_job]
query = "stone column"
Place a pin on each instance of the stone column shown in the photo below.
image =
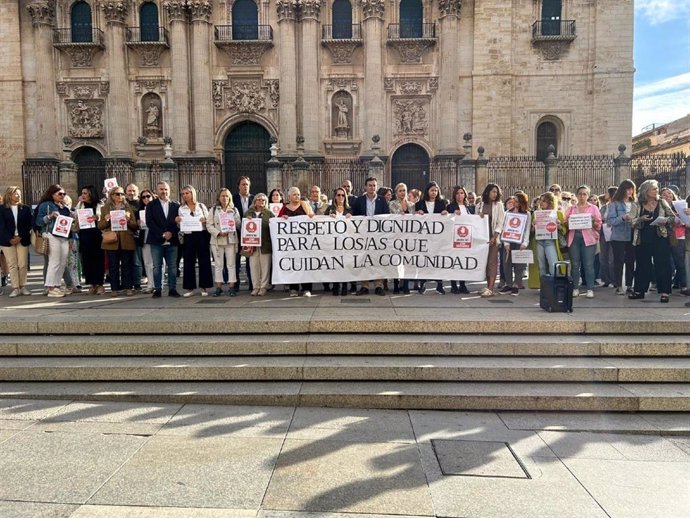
(481, 177)
(274, 168)
(43, 18)
(202, 100)
(551, 167)
(179, 99)
(621, 165)
(115, 14)
(288, 77)
(310, 106)
(68, 179)
(374, 96)
(449, 22)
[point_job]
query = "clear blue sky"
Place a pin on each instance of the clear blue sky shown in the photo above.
(662, 61)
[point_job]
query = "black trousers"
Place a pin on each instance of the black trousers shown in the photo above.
(658, 252)
(92, 264)
(623, 254)
(197, 249)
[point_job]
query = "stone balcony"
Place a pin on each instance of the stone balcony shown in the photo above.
(411, 40)
(148, 42)
(80, 44)
(245, 44)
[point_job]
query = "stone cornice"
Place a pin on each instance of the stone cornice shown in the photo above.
(287, 9)
(42, 12)
(310, 9)
(200, 10)
(177, 10)
(114, 11)
(373, 8)
(449, 8)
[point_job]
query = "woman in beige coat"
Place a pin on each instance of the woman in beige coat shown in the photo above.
(222, 223)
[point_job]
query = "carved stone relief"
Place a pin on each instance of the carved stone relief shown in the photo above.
(152, 110)
(149, 53)
(273, 92)
(449, 7)
(552, 50)
(246, 97)
(218, 86)
(373, 8)
(85, 118)
(81, 56)
(245, 52)
(177, 9)
(342, 83)
(82, 89)
(200, 9)
(286, 9)
(42, 12)
(410, 117)
(341, 115)
(341, 50)
(149, 84)
(114, 11)
(411, 85)
(309, 9)
(411, 51)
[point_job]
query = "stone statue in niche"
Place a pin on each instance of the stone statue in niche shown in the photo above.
(151, 105)
(341, 115)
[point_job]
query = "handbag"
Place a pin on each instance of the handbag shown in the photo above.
(39, 243)
(109, 237)
(247, 251)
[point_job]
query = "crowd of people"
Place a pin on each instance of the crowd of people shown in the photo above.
(634, 240)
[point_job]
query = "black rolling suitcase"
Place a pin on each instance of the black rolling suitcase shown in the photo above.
(556, 291)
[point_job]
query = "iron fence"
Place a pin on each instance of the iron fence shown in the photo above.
(203, 175)
(446, 174)
(517, 173)
(341, 32)
(328, 175)
(37, 176)
(240, 32)
(666, 169)
(411, 30)
(548, 29)
(83, 34)
(597, 172)
(147, 34)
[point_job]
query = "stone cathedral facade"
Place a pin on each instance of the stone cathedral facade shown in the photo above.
(123, 82)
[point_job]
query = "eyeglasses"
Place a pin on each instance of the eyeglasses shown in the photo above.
(146, 196)
(60, 193)
(565, 198)
(118, 194)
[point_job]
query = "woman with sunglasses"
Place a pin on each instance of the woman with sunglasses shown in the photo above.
(120, 252)
(50, 207)
(340, 208)
(92, 258)
(145, 198)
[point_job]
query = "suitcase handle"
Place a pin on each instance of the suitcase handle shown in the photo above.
(558, 264)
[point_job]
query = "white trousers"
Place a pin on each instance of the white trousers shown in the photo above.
(229, 252)
(58, 252)
(260, 265)
(148, 265)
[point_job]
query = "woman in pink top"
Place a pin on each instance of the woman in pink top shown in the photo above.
(583, 241)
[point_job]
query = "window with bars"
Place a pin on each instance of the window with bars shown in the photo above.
(148, 21)
(81, 23)
(245, 20)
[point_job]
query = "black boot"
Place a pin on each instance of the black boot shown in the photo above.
(463, 289)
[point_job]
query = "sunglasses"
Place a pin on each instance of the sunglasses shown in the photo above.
(554, 190)
(118, 194)
(60, 193)
(146, 196)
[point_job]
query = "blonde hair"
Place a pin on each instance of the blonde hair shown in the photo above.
(9, 192)
(231, 205)
(192, 191)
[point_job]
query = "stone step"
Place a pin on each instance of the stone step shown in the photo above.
(347, 368)
(566, 397)
(347, 344)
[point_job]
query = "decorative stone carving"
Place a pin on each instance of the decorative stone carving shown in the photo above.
(246, 97)
(151, 108)
(411, 87)
(81, 55)
(81, 89)
(373, 8)
(177, 10)
(245, 52)
(388, 84)
(42, 12)
(342, 83)
(273, 91)
(218, 86)
(433, 84)
(149, 52)
(341, 113)
(150, 84)
(449, 7)
(85, 118)
(287, 9)
(114, 11)
(410, 117)
(200, 10)
(341, 50)
(411, 50)
(309, 9)
(552, 50)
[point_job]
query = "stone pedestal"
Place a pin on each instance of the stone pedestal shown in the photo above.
(142, 176)
(551, 168)
(622, 165)
(169, 175)
(274, 175)
(481, 177)
(69, 180)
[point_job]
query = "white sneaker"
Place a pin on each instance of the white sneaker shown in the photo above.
(307, 293)
(576, 293)
(56, 292)
(293, 293)
(25, 291)
(14, 293)
(590, 294)
(188, 293)
(620, 291)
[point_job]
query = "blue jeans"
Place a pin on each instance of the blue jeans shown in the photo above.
(546, 256)
(169, 253)
(582, 256)
(138, 266)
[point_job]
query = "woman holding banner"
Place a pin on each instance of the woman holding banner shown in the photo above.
(340, 208)
(459, 206)
(401, 205)
(260, 260)
(118, 216)
(192, 218)
(584, 224)
(490, 206)
(222, 225)
(431, 203)
(295, 206)
(50, 208)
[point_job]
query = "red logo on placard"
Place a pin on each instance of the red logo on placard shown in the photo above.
(463, 231)
(122, 222)
(63, 222)
(551, 227)
(251, 226)
(514, 222)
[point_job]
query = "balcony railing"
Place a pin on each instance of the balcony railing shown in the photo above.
(76, 36)
(341, 32)
(553, 29)
(147, 35)
(227, 33)
(411, 30)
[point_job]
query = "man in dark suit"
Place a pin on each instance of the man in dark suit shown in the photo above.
(370, 204)
(163, 238)
(243, 202)
(347, 185)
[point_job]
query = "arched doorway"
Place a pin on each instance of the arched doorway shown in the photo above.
(90, 167)
(410, 165)
(247, 149)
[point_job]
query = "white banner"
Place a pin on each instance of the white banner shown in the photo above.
(325, 249)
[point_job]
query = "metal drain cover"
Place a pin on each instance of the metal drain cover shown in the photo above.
(478, 459)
